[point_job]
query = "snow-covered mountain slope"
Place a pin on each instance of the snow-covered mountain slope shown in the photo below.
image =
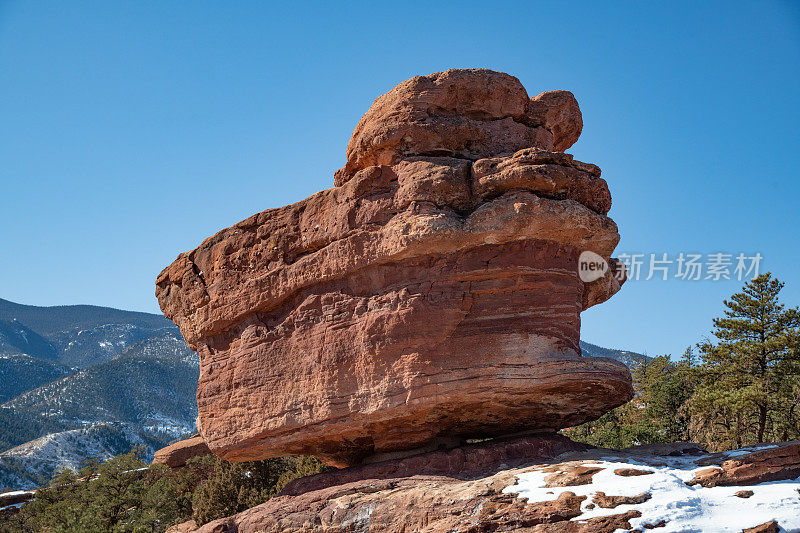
(74, 335)
(150, 386)
(16, 338)
(34, 463)
(623, 356)
(83, 348)
(69, 373)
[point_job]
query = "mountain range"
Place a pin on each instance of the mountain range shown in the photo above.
(74, 335)
(623, 356)
(80, 382)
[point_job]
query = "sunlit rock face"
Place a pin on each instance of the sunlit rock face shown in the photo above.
(432, 295)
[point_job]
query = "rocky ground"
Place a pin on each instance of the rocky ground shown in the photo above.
(542, 484)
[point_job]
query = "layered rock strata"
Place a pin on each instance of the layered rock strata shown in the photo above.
(432, 295)
(533, 484)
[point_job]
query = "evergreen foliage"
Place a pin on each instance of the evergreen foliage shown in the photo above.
(750, 377)
(21, 373)
(744, 388)
(125, 495)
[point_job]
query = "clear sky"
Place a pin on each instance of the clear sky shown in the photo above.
(130, 131)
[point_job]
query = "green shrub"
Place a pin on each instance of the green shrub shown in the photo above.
(125, 495)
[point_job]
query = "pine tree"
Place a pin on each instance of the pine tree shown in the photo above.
(749, 376)
(662, 389)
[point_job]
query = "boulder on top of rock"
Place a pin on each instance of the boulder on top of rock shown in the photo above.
(463, 113)
(433, 295)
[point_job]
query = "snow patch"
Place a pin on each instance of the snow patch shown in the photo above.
(683, 508)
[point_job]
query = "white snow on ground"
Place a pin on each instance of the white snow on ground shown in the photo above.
(684, 508)
(15, 493)
(751, 449)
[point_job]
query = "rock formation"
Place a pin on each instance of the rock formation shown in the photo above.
(432, 295)
(773, 463)
(177, 454)
(509, 485)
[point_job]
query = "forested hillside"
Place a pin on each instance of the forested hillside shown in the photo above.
(33, 464)
(145, 396)
(21, 373)
(150, 385)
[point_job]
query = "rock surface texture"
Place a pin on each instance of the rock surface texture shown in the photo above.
(503, 486)
(177, 454)
(432, 295)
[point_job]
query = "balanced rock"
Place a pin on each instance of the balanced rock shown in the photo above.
(432, 295)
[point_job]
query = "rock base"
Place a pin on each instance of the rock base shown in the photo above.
(539, 483)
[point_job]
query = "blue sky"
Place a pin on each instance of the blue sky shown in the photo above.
(130, 131)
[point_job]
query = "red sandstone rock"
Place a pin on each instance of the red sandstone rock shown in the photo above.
(468, 114)
(559, 113)
(432, 295)
(610, 502)
(184, 527)
(707, 477)
(471, 489)
(770, 464)
(766, 527)
(432, 505)
(471, 460)
(628, 472)
(177, 454)
(571, 475)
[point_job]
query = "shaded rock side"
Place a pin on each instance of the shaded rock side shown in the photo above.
(432, 294)
(178, 453)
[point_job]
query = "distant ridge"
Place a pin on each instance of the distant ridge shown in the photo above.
(47, 321)
(630, 359)
(74, 335)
